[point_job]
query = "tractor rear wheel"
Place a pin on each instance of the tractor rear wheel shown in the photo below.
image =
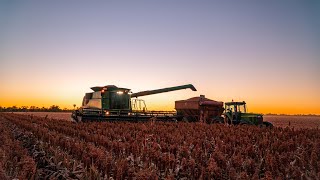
(267, 124)
(244, 124)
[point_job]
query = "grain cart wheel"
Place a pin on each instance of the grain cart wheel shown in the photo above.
(189, 119)
(216, 120)
(185, 119)
(220, 120)
(175, 120)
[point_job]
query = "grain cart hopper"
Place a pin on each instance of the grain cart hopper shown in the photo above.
(114, 103)
(236, 113)
(199, 109)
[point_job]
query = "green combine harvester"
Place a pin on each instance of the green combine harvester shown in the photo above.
(115, 104)
(112, 103)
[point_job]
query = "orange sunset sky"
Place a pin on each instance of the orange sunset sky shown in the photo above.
(266, 53)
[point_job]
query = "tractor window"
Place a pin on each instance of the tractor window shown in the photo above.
(242, 108)
(229, 108)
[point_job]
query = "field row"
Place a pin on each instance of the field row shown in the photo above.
(125, 150)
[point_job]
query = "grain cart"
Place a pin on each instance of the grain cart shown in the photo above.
(199, 109)
(114, 103)
(236, 113)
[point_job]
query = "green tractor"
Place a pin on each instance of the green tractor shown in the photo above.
(236, 113)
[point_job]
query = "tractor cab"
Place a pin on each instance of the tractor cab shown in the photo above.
(236, 107)
(234, 111)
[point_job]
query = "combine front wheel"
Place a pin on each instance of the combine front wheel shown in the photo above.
(72, 120)
(79, 118)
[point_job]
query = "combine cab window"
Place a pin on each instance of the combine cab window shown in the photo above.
(119, 100)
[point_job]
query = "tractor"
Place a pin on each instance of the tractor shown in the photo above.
(236, 113)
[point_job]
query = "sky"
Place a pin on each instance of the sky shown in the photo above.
(266, 53)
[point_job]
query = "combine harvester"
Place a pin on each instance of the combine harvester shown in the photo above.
(111, 103)
(119, 104)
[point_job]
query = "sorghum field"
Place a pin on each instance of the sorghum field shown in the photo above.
(34, 147)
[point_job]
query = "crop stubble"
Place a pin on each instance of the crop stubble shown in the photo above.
(61, 149)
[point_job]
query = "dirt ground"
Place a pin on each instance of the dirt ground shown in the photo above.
(293, 121)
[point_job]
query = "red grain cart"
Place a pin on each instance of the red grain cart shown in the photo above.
(200, 109)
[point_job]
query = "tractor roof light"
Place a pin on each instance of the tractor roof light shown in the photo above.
(120, 92)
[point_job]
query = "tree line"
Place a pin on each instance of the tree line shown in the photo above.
(53, 108)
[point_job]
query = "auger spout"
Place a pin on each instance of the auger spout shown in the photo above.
(163, 90)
